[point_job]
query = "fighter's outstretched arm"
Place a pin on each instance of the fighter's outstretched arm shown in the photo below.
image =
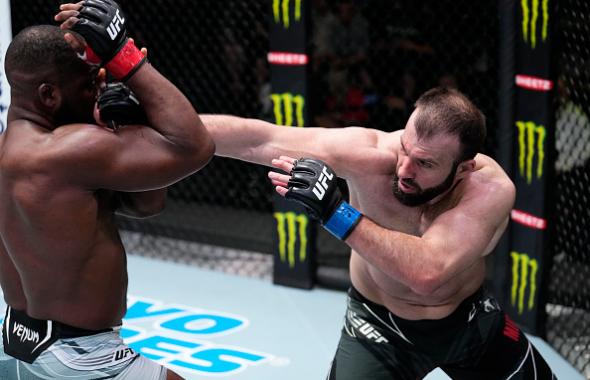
(347, 150)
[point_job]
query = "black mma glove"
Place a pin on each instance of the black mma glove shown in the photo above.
(313, 184)
(118, 105)
(102, 24)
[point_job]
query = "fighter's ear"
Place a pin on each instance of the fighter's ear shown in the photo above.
(465, 167)
(49, 96)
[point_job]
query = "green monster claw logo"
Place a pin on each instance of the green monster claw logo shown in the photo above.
(291, 228)
(524, 270)
(530, 17)
(531, 139)
(281, 7)
(288, 108)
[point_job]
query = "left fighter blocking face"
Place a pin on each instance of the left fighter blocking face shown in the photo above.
(78, 96)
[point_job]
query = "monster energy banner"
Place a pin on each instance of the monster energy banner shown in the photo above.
(294, 241)
(5, 37)
(533, 132)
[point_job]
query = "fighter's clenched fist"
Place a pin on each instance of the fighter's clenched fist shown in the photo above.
(102, 24)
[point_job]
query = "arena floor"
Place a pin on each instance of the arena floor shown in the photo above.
(208, 324)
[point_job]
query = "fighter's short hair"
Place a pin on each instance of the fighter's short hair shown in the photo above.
(447, 110)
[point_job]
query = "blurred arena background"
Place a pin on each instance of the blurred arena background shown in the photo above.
(369, 60)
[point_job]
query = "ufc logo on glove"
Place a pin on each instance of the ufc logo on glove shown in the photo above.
(322, 184)
(115, 25)
(311, 184)
(102, 24)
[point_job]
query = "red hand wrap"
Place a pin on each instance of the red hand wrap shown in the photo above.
(126, 61)
(90, 56)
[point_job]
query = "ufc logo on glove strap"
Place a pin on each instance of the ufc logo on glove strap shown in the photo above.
(321, 185)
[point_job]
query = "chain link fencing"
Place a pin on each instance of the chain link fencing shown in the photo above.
(568, 323)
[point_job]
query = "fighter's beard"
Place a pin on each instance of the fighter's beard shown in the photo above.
(422, 196)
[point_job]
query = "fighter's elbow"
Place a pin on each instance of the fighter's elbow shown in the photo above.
(205, 152)
(198, 154)
(142, 209)
(428, 281)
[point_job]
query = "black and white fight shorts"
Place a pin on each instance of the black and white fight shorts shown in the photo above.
(477, 341)
(37, 349)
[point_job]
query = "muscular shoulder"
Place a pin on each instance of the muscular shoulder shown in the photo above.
(488, 170)
(489, 188)
(33, 149)
(473, 218)
(362, 151)
(370, 138)
(76, 143)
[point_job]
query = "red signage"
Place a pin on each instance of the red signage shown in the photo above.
(528, 220)
(533, 83)
(283, 58)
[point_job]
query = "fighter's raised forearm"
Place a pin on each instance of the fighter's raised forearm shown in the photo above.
(168, 111)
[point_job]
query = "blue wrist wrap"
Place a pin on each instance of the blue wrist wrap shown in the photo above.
(343, 221)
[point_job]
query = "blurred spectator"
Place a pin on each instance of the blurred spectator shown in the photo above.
(349, 34)
(411, 44)
(264, 89)
(395, 107)
(340, 41)
(322, 23)
(355, 100)
(323, 20)
(234, 56)
(348, 45)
